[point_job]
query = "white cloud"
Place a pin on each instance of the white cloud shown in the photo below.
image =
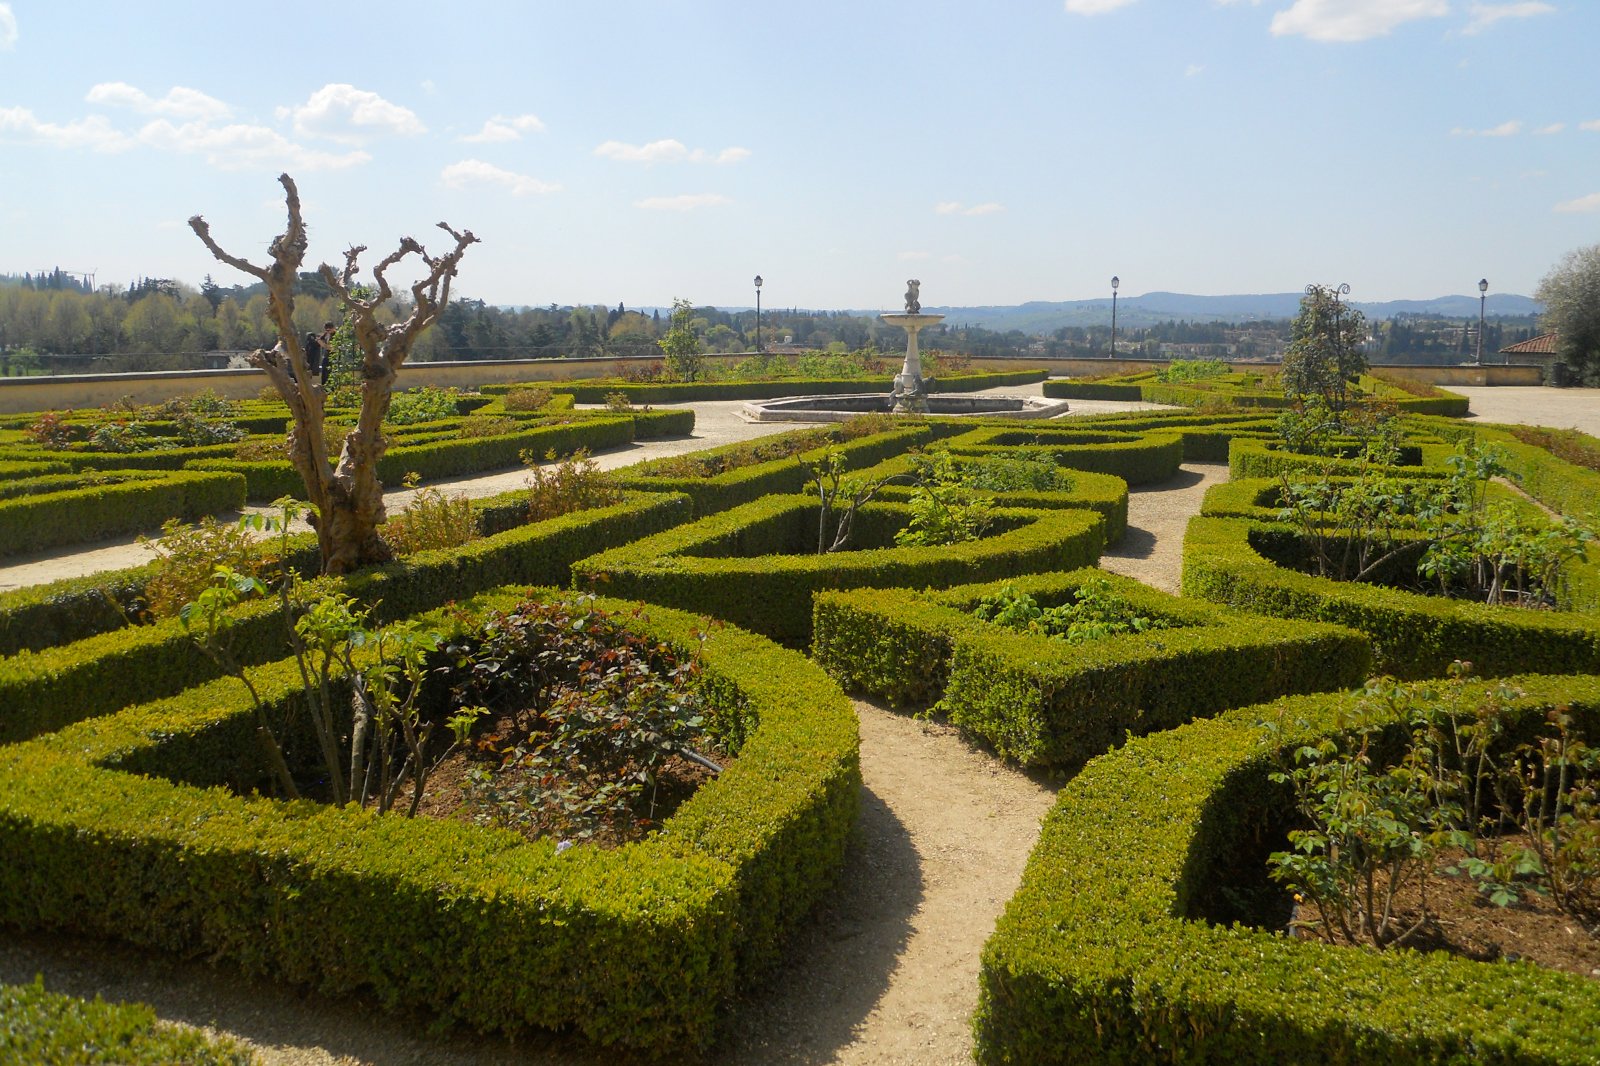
(1592, 125)
(94, 132)
(1583, 205)
(687, 202)
(1193, 69)
(955, 207)
(1352, 20)
(240, 147)
(343, 113)
(506, 128)
(179, 102)
(667, 151)
(8, 27)
(1095, 7)
(1505, 129)
(1486, 15)
(1554, 127)
(477, 172)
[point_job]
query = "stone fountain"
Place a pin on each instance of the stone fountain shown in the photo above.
(910, 395)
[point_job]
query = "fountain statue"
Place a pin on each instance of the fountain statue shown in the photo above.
(910, 391)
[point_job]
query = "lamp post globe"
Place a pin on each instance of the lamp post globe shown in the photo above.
(758, 313)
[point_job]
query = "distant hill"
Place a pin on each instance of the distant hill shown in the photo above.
(1152, 307)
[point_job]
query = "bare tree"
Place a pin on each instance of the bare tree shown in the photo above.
(346, 497)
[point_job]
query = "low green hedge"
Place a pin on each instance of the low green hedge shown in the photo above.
(43, 690)
(776, 476)
(690, 391)
(1413, 635)
(1234, 390)
(453, 457)
(1137, 458)
(1102, 955)
(1250, 457)
(170, 458)
(49, 1029)
(641, 946)
(23, 468)
(1104, 494)
(753, 565)
(130, 502)
(1041, 701)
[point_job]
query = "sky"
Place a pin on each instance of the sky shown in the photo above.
(638, 151)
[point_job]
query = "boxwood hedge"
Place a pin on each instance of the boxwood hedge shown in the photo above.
(124, 502)
(1413, 635)
(745, 483)
(755, 565)
(50, 1029)
(1102, 955)
(641, 946)
(1105, 494)
(1137, 458)
(45, 689)
(1041, 701)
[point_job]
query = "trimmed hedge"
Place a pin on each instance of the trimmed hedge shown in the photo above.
(44, 690)
(752, 565)
(640, 946)
(1105, 494)
(1137, 458)
(1102, 955)
(689, 391)
(24, 468)
(47, 1029)
(1235, 389)
(1043, 702)
(1249, 457)
(451, 457)
(745, 484)
(134, 501)
(1413, 635)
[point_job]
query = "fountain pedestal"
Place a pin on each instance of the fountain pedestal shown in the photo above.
(910, 393)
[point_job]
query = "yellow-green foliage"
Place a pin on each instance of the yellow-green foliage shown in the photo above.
(640, 946)
(1106, 948)
(1041, 701)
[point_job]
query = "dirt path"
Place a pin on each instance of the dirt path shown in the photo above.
(1152, 549)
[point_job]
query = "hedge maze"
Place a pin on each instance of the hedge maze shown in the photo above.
(1133, 937)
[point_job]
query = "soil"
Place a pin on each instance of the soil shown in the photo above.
(1461, 920)
(676, 780)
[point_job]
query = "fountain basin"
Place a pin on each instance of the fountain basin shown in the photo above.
(840, 408)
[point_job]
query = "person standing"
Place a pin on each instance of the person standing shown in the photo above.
(319, 353)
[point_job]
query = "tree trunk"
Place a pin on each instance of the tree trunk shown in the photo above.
(346, 498)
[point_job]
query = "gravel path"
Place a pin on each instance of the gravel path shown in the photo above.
(884, 973)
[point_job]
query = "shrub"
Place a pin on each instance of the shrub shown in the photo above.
(431, 521)
(575, 483)
(427, 404)
(188, 555)
(487, 426)
(526, 398)
(50, 431)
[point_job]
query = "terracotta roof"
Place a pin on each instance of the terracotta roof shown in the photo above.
(1541, 345)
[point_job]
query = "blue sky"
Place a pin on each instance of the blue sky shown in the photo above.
(644, 150)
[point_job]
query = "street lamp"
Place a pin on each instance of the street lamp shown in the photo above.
(1115, 281)
(1483, 298)
(758, 313)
